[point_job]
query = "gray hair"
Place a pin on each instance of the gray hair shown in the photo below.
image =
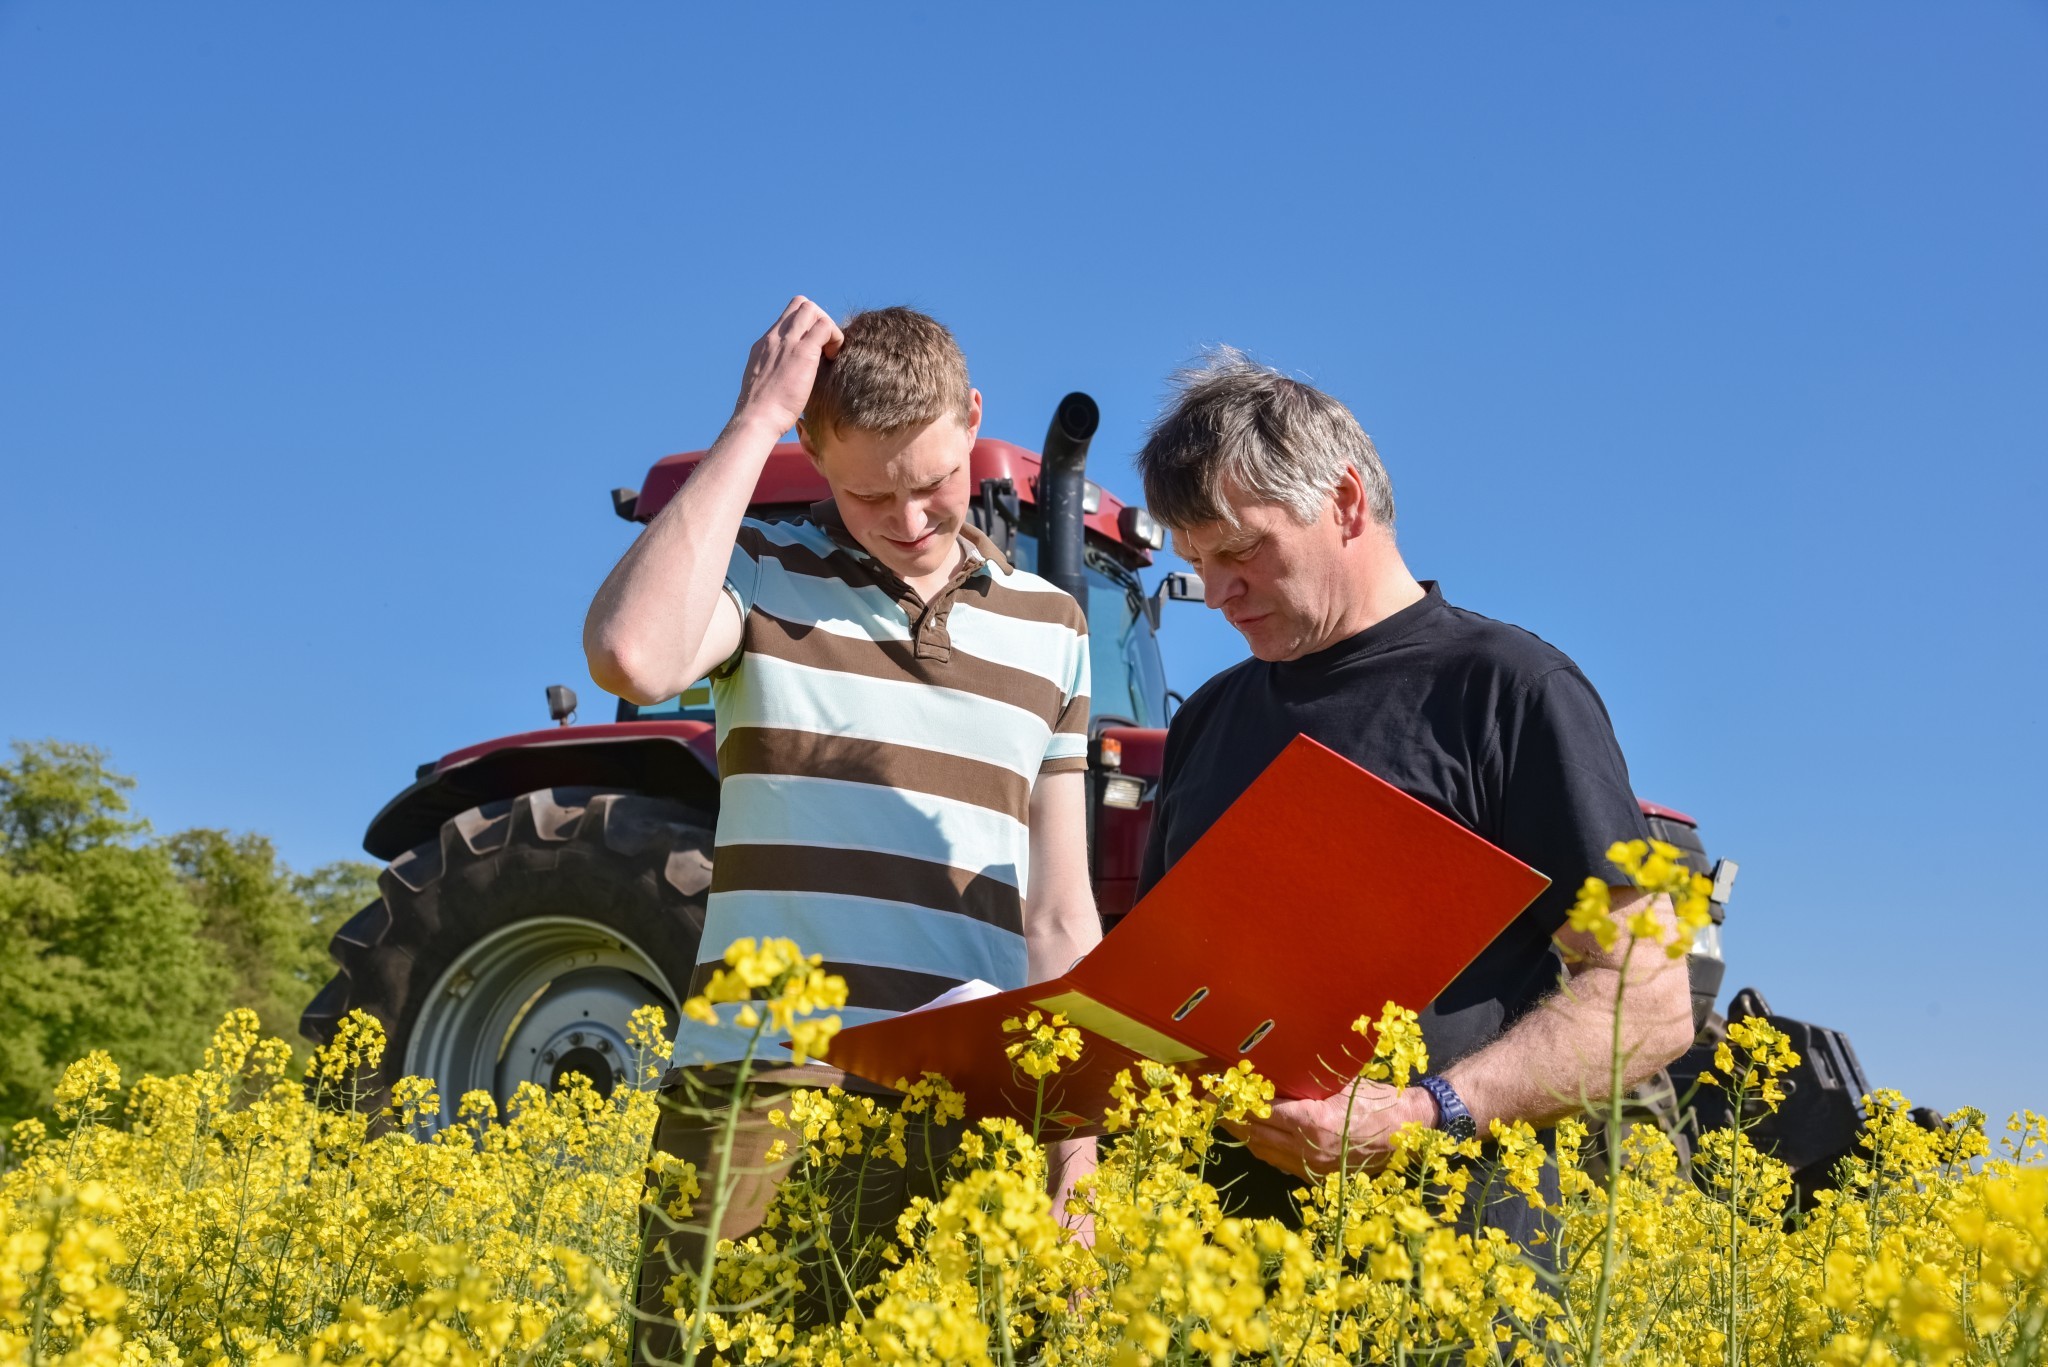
(1234, 423)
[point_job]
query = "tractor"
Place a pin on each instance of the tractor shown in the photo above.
(541, 887)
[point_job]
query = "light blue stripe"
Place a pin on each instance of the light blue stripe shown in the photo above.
(1046, 649)
(782, 809)
(1067, 745)
(801, 533)
(697, 1043)
(770, 692)
(849, 928)
(806, 599)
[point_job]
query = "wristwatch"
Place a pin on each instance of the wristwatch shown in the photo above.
(1451, 1116)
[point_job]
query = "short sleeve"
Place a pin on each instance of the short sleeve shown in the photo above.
(1066, 751)
(743, 568)
(1565, 791)
(742, 580)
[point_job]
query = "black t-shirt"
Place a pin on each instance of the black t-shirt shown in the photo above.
(1483, 721)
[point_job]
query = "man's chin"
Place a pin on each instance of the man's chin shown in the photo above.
(1269, 646)
(908, 562)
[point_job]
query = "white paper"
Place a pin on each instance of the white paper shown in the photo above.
(974, 989)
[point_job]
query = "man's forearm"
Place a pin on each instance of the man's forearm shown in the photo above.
(650, 617)
(1067, 1162)
(1060, 920)
(1056, 938)
(1559, 1058)
(646, 635)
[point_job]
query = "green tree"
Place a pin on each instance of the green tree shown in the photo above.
(330, 894)
(102, 940)
(117, 941)
(267, 927)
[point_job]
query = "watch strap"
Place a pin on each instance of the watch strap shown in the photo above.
(1452, 1117)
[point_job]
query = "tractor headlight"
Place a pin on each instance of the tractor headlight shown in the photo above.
(1123, 791)
(1140, 528)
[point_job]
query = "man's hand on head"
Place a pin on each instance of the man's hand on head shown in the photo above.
(783, 366)
(1309, 1137)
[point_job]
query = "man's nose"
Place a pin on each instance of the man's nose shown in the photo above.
(1219, 588)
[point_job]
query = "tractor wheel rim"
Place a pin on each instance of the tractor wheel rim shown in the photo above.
(533, 1002)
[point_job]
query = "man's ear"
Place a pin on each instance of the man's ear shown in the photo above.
(1349, 504)
(803, 437)
(973, 413)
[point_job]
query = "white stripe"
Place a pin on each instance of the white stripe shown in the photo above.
(785, 809)
(765, 691)
(1024, 581)
(848, 928)
(1046, 649)
(807, 600)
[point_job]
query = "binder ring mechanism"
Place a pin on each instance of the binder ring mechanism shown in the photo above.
(1195, 999)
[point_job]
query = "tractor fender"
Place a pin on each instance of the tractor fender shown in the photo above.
(674, 759)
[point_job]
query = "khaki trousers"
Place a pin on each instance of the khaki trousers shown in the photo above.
(695, 1104)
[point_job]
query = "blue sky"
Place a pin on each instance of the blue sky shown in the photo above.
(1708, 343)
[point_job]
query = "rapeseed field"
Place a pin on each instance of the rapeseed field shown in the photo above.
(252, 1213)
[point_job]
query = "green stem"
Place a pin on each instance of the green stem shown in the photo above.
(1003, 1322)
(1734, 1225)
(1604, 1290)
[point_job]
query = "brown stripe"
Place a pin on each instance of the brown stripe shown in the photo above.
(1072, 764)
(1057, 608)
(897, 661)
(868, 873)
(889, 989)
(841, 565)
(1073, 719)
(807, 754)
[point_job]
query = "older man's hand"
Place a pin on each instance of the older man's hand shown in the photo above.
(1310, 1137)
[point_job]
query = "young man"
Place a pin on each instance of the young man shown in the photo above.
(1277, 497)
(902, 715)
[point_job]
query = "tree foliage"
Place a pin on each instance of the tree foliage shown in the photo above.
(120, 941)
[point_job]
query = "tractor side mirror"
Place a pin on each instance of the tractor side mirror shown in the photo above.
(1181, 586)
(626, 502)
(561, 703)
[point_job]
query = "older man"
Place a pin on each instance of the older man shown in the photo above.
(1277, 497)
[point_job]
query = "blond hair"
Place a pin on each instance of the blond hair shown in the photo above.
(897, 369)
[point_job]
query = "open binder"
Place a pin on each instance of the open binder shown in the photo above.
(1322, 893)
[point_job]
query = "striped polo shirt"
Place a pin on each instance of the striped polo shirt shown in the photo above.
(876, 755)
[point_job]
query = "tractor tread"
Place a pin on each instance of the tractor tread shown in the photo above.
(626, 861)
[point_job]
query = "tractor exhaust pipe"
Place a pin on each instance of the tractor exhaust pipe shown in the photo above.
(1061, 480)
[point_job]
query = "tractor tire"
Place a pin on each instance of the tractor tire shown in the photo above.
(515, 946)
